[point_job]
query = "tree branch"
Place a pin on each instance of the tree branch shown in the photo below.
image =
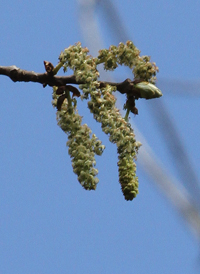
(18, 75)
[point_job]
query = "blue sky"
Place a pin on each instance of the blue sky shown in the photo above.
(48, 223)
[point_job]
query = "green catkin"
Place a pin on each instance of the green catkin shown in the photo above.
(83, 146)
(105, 112)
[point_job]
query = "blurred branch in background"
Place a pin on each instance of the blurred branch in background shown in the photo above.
(178, 153)
(185, 195)
(180, 87)
(172, 188)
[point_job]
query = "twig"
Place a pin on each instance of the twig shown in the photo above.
(18, 75)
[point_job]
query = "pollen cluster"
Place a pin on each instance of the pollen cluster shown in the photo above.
(83, 145)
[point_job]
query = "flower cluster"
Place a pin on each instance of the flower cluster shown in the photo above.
(128, 55)
(120, 133)
(83, 65)
(145, 70)
(82, 146)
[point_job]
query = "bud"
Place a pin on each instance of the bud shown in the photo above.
(48, 67)
(148, 90)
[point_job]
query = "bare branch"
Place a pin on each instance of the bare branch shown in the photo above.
(18, 75)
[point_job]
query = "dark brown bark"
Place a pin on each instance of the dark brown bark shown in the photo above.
(18, 75)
